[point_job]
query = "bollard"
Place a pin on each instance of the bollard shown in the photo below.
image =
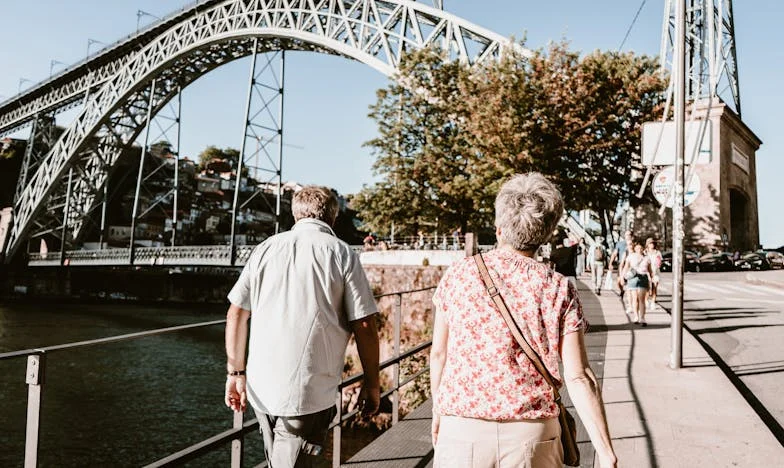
(471, 245)
(396, 366)
(336, 432)
(236, 444)
(34, 378)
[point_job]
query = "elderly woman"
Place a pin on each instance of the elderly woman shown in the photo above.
(491, 407)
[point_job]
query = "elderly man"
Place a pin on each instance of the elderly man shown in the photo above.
(307, 293)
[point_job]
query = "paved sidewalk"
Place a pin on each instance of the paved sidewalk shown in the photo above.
(659, 417)
(773, 278)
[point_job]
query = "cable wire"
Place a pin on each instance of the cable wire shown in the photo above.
(628, 31)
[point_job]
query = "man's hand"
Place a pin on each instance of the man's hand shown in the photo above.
(434, 428)
(236, 398)
(369, 400)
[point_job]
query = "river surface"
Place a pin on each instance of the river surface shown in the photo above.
(120, 404)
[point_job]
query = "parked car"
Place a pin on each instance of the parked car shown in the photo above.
(717, 261)
(775, 258)
(752, 261)
(691, 261)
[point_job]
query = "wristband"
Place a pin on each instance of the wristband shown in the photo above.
(236, 372)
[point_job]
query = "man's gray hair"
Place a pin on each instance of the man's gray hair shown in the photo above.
(527, 210)
(316, 202)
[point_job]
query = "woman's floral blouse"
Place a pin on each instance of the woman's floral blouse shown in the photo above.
(486, 374)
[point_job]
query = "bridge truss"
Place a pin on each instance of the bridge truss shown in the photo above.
(124, 86)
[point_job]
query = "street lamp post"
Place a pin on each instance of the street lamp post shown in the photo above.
(90, 42)
(23, 81)
(679, 62)
(52, 64)
(140, 14)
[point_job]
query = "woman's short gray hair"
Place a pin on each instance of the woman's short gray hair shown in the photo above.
(527, 210)
(317, 202)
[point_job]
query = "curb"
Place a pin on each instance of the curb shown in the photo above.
(751, 278)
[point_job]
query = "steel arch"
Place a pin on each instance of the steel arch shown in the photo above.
(371, 31)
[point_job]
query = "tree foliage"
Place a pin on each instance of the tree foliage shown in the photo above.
(449, 135)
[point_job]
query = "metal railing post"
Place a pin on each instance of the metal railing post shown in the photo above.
(175, 204)
(236, 444)
(66, 214)
(241, 156)
(141, 173)
(34, 378)
(336, 432)
(396, 367)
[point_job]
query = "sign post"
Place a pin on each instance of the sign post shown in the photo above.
(679, 65)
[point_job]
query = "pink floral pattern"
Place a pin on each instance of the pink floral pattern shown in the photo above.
(486, 374)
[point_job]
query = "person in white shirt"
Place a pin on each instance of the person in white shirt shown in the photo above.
(306, 293)
(655, 256)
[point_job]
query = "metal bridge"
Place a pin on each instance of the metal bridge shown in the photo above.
(122, 89)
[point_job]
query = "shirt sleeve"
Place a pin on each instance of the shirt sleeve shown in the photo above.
(572, 317)
(240, 293)
(357, 295)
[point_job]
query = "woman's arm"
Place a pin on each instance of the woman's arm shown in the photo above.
(437, 360)
(586, 396)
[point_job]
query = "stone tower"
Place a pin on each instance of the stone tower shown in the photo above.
(724, 215)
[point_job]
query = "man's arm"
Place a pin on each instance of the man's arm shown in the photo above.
(366, 334)
(612, 259)
(236, 343)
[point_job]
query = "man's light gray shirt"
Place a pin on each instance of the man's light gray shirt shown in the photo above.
(303, 287)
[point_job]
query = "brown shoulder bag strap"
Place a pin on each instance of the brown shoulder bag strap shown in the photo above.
(510, 322)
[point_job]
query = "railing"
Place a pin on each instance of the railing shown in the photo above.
(192, 255)
(198, 255)
(36, 371)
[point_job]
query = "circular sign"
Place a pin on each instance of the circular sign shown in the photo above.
(663, 188)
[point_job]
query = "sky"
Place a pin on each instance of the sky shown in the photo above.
(327, 97)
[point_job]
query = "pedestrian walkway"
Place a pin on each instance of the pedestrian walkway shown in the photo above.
(774, 278)
(658, 417)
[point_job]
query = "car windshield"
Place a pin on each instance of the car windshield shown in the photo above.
(751, 256)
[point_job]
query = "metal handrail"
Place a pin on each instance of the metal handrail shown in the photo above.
(36, 364)
(110, 339)
(207, 445)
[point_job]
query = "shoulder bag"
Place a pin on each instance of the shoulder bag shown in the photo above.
(568, 427)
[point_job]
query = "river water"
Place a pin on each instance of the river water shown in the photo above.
(120, 404)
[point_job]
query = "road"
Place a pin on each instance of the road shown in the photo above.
(743, 326)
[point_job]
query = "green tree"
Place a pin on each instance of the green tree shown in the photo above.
(421, 152)
(449, 135)
(576, 120)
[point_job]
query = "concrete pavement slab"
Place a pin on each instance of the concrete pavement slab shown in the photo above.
(660, 417)
(774, 278)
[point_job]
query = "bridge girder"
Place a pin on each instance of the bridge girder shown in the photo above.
(374, 32)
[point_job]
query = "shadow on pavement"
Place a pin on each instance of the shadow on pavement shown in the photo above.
(591, 301)
(734, 377)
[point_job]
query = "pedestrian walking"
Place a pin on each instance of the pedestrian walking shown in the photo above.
(619, 255)
(580, 269)
(564, 258)
(491, 406)
(636, 274)
(655, 257)
(456, 239)
(598, 263)
(307, 293)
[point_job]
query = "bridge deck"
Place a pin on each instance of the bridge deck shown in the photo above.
(405, 445)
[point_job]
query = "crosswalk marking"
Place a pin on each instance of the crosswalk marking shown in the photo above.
(711, 288)
(774, 291)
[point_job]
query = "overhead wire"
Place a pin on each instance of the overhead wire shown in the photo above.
(631, 26)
